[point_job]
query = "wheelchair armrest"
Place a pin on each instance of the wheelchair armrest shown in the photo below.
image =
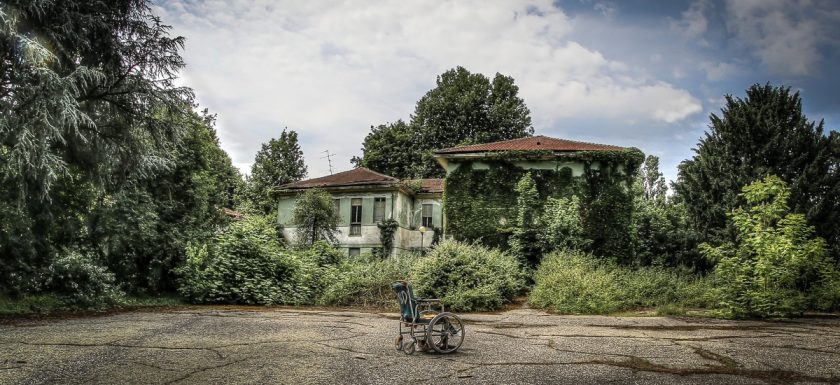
(430, 300)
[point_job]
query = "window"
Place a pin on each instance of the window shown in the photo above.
(378, 209)
(427, 215)
(337, 203)
(356, 217)
(354, 251)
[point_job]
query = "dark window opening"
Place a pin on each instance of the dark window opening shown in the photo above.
(356, 216)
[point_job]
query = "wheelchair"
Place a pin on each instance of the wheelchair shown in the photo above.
(423, 328)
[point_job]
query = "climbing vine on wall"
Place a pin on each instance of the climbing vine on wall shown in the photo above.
(480, 204)
(387, 228)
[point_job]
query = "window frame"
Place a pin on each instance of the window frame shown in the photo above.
(356, 217)
(381, 209)
(423, 217)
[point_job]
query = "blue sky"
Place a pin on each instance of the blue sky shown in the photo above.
(631, 73)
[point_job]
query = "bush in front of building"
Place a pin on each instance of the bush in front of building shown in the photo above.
(366, 281)
(245, 263)
(573, 282)
(468, 277)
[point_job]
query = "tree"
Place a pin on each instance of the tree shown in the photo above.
(775, 263)
(280, 161)
(315, 217)
(392, 150)
(463, 108)
(653, 183)
(87, 109)
(662, 232)
(764, 134)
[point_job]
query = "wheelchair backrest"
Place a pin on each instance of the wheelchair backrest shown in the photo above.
(408, 306)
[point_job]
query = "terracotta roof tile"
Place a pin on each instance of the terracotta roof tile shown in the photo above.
(533, 143)
(431, 185)
(355, 177)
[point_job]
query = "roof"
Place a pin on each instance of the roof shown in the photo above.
(431, 186)
(533, 143)
(356, 177)
(236, 215)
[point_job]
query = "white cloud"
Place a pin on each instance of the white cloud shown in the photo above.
(329, 70)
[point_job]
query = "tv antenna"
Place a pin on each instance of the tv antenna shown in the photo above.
(329, 159)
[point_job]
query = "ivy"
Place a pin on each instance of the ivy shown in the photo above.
(387, 228)
(481, 205)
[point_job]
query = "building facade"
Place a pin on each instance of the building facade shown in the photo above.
(480, 185)
(364, 198)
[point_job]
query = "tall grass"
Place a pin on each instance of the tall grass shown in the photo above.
(575, 283)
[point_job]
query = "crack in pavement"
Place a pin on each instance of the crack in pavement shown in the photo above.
(219, 354)
(206, 368)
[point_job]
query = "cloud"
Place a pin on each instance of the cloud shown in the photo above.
(693, 22)
(329, 70)
(783, 35)
(719, 70)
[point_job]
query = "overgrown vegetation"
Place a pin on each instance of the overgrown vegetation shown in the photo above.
(484, 204)
(468, 277)
(776, 266)
(316, 218)
(114, 188)
(366, 281)
(573, 282)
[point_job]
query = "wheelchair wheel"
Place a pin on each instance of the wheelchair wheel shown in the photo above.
(445, 333)
(398, 343)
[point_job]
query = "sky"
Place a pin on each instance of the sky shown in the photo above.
(642, 73)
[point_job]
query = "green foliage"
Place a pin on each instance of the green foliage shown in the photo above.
(99, 151)
(776, 263)
(392, 149)
(481, 204)
(468, 277)
(652, 182)
(560, 225)
(463, 108)
(524, 239)
(763, 134)
(387, 228)
(662, 230)
(81, 281)
(278, 162)
(366, 282)
(245, 264)
(315, 217)
(576, 283)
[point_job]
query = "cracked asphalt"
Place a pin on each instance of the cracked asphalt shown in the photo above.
(233, 345)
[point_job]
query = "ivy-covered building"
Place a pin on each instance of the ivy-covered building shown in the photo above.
(365, 198)
(481, 200)
(478, 199)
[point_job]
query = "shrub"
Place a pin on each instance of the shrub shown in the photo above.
(366, 281)
(573, 282)
(246, 264)
(81, 282)
(776, 267)
(468, 277)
